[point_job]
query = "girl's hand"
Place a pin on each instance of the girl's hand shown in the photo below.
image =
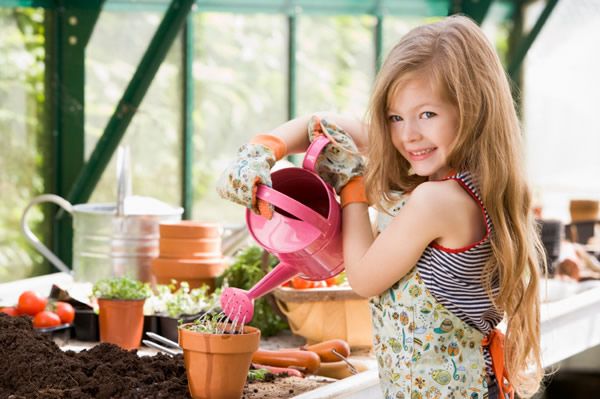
(340, 160)
(251, 166)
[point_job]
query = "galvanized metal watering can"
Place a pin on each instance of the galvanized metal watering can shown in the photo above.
(110, 239)
(304, 233)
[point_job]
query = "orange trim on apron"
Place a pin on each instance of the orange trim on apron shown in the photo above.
(495, 343)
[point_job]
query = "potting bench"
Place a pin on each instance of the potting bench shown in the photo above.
(570, 320)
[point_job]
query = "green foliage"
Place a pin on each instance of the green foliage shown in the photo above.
(258, 374)
(121, 288)
(25, 154)
(244, 273)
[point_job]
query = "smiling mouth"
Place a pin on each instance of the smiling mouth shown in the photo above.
(421, 152)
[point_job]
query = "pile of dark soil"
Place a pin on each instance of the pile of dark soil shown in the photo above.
(33, 366)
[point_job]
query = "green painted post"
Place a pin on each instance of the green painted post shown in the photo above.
(70, 27)
(523, 47)
(187, 167)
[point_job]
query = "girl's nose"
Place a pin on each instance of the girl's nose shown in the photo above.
(410, 131)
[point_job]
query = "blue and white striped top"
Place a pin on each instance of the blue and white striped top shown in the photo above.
(453, 276)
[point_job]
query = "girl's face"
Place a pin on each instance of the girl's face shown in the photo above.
(423, 126)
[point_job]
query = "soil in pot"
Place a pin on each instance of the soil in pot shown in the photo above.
(33, 366)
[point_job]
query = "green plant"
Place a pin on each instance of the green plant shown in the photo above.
(257, 374)
(121, 288)
(211, 324)
(245, 271)
(180, 301)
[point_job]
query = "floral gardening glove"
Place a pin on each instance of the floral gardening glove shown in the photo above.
(251, 166)
(340, 161)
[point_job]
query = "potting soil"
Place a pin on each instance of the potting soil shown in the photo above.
(33, 366)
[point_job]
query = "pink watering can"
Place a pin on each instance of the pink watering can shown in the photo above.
(304, 233)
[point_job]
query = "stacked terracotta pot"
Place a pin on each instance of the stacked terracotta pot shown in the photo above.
(189, 251)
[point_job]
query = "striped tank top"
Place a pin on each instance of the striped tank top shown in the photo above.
(453, 276)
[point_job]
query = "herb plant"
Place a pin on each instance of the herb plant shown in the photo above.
(180, 301)
(121, 288)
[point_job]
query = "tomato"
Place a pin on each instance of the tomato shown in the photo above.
(31, 303)
(301, 284)
(65, 311)
(10, 310)
(287, 283)
(331, 282)
(319, 284)
(46, 318)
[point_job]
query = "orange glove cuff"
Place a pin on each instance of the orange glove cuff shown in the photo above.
(354, 191)
(275, 144)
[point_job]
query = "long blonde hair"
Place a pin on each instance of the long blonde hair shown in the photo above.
(465, 69)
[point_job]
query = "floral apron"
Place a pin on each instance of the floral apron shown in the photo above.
(422, 349)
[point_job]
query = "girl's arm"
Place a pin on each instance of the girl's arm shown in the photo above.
(295, 134)
(435, 211)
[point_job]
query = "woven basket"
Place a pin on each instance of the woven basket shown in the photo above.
(320, 314)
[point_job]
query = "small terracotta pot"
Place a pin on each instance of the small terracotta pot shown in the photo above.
(217, 364)
(195, 271)
(189, 248)
(189, 229)
(121, 322)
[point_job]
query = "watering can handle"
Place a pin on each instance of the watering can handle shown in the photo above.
(313, 151)
(66, 205)
(293, 207)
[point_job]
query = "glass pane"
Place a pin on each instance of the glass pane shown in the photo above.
(154, 134)
(25, 156)
(336, 64)
(561, 102)
(240, 65)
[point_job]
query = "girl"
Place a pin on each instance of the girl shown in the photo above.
(458, 249)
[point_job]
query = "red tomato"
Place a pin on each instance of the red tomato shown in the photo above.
(65, 311)
(319, 284)
(301, 284)
(46, 319)
(31, 303)
(331, 281)
(10, 310)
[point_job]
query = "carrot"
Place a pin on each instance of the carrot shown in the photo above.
(325, 349)
(305, 361)
(279, 370)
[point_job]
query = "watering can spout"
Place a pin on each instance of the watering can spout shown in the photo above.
(239, 304)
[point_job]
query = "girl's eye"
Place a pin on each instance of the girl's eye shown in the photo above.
(427, 115)
(395, 118)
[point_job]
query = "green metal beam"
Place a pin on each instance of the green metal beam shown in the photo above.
(187, 167)
(523, 47)
(69, 26)
(28, 3)
(476, 9)
(378, 42)
(171, 24)
(292, 49)
(425, 8)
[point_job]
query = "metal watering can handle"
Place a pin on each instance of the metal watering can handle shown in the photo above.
(293, 207)
(66, 205)
(313, 151)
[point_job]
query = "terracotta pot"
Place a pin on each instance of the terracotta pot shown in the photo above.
(189, 229)
(217, 365)
(189, 248)
(121, 322)
(195, 271)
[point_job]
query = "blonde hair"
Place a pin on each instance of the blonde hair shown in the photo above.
(464, 68)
